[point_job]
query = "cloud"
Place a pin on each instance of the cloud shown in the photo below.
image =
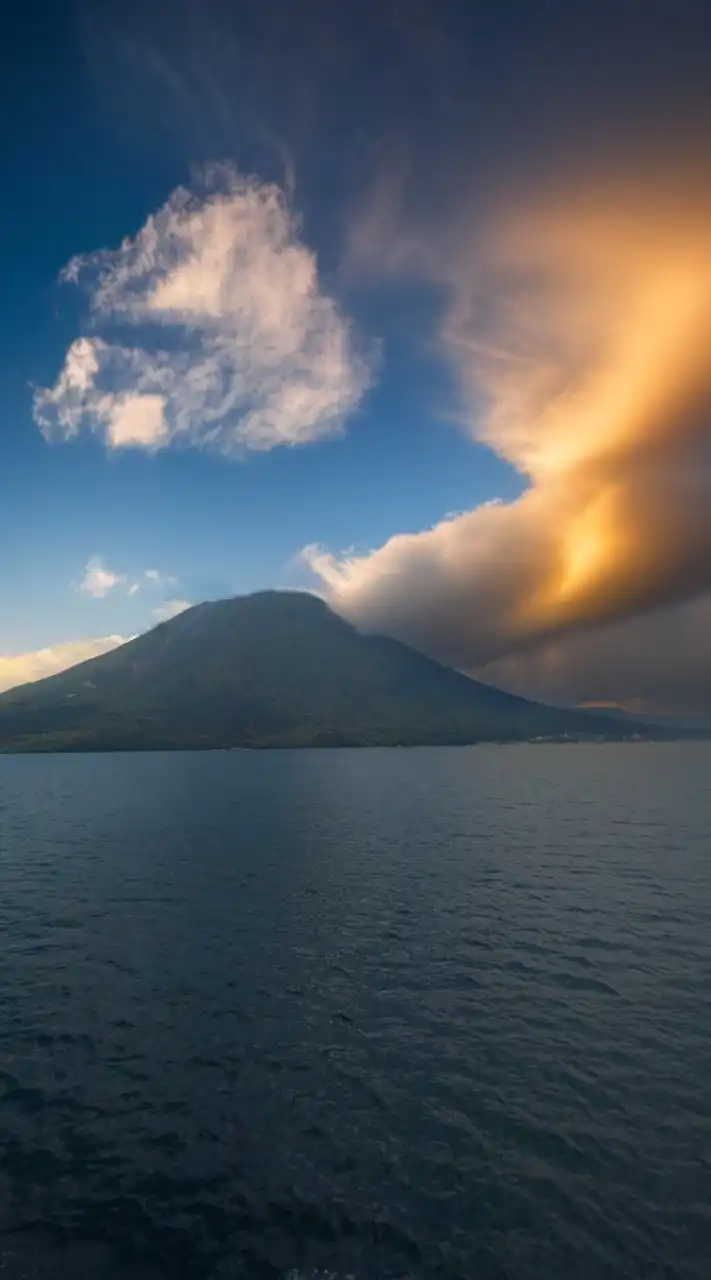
(657, 662)
(170, 609)
(573, 327)
(98, 581)
(580, 329)
(24, 667)
(151, 578)
(236, 347)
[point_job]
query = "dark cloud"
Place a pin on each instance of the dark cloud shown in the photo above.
(657, 662)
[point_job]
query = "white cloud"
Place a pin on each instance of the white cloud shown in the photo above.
(24, 667)
(151, 578)
(98, 580)
(136, 421)
(170, 609)
(238, 346)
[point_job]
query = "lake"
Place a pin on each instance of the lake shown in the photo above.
(380, 1013)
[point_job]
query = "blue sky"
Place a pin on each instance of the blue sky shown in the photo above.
(216, 526)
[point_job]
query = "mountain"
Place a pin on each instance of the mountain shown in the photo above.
(275, 669)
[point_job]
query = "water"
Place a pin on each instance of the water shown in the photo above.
(430, 1013)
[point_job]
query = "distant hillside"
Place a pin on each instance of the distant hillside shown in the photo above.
(275, 669)
(674, 726)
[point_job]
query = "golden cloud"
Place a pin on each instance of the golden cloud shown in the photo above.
(580, 329)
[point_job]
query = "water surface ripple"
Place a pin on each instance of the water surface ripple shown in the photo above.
(423, 1014)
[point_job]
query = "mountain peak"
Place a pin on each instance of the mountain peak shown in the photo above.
(276, 668)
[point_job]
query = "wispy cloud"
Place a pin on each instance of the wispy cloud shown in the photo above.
(236, 345)
(98, 581)
(170, 609)
(152, 578)
(24, 667)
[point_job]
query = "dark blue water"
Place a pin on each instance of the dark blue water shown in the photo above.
(429, 1013)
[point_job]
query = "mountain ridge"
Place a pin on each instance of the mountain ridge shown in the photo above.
(272, 669)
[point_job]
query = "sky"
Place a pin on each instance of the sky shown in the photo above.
(405, 303)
